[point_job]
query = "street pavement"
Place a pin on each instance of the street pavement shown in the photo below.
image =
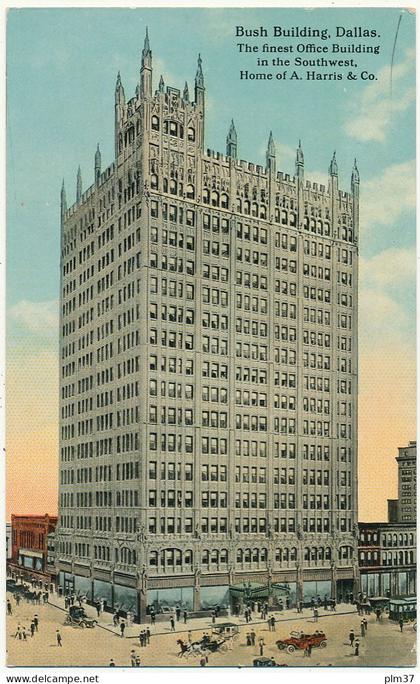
(384, 644)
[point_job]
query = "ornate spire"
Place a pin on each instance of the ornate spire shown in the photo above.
(232, 142)
(300, 162)
(63, 200)
(79, 185)
(161, 84)
(119, 91)
(186, 94)
(146, 68)
(271, 153)
(97, 164)
(355, 178)
(199, 78)
(333, 169)
(146, 48)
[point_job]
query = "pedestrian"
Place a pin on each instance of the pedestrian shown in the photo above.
(248, 640)
(115, 619)
(356, 647)
(365, 622)
(362, 628)
(315, 614)
(325, 602)
(98, 609)
(261, 645)
(178, 613)
(185, 617)
(66, 602)
(253, 637)
(141, 638)
(46, 596)
(333, 605)
(17, 599)
(58, 637)
(378, 614)
(351, 637)
(111, 663)
(133, 658)
(273, 623)
(269, 624)
(153, 618)
(401, 624)
(147, 633)
(287, 603)
(172, 622)
(32, 628)
(122, 628)
(9, 607)
(18, 634)
(137, 661)
(36, 621)
(312, 603)
(213, 617)
(24, 633)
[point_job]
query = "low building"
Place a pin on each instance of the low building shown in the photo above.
(8, 541)
(30, 546)
(387, 558)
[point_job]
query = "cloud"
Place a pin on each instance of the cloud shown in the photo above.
(373, 110)
(39, 318)
(392, 267)
(385, 197)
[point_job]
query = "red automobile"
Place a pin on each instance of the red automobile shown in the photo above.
(300, 641)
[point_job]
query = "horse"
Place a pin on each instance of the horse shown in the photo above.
(188, 649)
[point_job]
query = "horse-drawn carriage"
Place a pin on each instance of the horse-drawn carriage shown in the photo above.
(221, 638)
(77, 616)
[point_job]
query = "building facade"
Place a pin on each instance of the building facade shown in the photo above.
(387, 559)
(29, 546)
(208, 391)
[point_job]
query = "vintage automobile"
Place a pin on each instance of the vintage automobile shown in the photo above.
(262, 661)
(300, 641)
(77, 616)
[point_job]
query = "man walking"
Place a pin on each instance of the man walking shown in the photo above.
(261, 645)
(147, 634)
(253, 636)
(401, 624)
(32, 628)
(365, 622)
(58, 637)
(362, 628)
(315, 614)
(273, 623)
(122, 628)
(356, 647)
(185, 617)
(133, 658)
(9, 607)
(172, 622)
(36, 621)
(351, 637)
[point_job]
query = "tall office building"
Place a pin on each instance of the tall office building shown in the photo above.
(404, 508)
(208, 391)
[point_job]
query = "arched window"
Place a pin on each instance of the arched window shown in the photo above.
(214, 199)
(263, 212)
(155, 123)
(154, 182)
(247, 555)
(255, 209)
(206, 196)
(314, 553)
(223, 556)
(205, 557)
(247, 207)
(293, 553)
(239, 556)
(214, 557)
(263, 555)
(328, 553)
(306, 553)
(255, 555)
(277, 215)
(224, 201)
(153, 558)
(278, 555)
(191, 134)
(286, 555)
(239, 205)
(188, 557)
(190, 191)
(173, 186)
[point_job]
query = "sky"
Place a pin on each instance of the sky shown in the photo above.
(61, 71)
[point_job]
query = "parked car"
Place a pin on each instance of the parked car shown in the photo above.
(300, 641)
(262, 661)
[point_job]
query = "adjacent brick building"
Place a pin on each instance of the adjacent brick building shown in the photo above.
(29, 545)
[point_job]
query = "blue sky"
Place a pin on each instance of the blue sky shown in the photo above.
(61, 71)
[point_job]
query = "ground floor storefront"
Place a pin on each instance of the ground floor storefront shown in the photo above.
(142, 596)
(388, 582)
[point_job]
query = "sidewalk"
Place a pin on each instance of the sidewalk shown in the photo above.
(203, 624)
